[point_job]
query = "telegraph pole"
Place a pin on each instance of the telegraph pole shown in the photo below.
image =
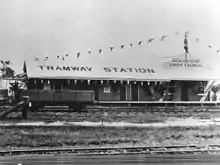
(186, 48)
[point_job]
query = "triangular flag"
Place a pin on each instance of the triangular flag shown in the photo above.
(36, 59)
(111, 48)
(100, 50)
(131, 45)
(163, 37)
(122, 46)
(140, 42)
(150, 40)
(209, 46)
(78, 54)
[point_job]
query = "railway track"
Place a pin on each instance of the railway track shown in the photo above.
(118, 108)
(97, 113)
(190, 149)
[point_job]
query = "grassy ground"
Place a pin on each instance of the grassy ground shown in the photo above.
(35, 137)
(116, 115)
(93, 116)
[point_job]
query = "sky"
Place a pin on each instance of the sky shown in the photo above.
(40, 28)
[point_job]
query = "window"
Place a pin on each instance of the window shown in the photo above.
(107, 88)
(46, 84)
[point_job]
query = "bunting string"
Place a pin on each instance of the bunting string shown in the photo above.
(146, 42)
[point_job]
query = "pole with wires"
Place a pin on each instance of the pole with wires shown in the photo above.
(186, 47)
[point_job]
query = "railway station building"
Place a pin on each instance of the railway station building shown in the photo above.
(132, 75)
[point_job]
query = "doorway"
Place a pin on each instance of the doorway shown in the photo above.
(57, 84)
(123, 92)
(134, 92)
(184, 91)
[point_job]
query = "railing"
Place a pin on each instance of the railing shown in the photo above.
(61, 95)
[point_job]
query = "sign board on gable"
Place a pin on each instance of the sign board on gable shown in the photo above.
(190, 68)
(184, 63)
(79, 69)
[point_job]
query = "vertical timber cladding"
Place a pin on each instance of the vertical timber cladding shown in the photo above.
(109, 91)
(123, 92)
(186, 91)
(128, 92)
(134, 92)
(144, 93)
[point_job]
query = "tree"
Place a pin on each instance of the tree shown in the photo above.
(6, 70)
(215, 89)
(9, 73)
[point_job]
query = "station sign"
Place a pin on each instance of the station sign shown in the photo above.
(90, 69)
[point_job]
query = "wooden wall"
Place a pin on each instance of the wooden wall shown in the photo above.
(182, 90)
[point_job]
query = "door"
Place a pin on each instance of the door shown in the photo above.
(123, 92)
(97, 91)
(134, 92)
(184, 91)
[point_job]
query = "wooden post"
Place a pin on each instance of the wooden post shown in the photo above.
(24, 111)
(103, 117)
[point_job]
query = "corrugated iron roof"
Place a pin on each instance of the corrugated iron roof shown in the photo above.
(140, 63)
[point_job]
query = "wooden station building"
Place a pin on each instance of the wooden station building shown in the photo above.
(134, 75)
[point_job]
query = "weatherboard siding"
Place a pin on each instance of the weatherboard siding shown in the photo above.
(144, 94)
(178, 91)
(193, 95)
(128, 92)
(113, 95)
